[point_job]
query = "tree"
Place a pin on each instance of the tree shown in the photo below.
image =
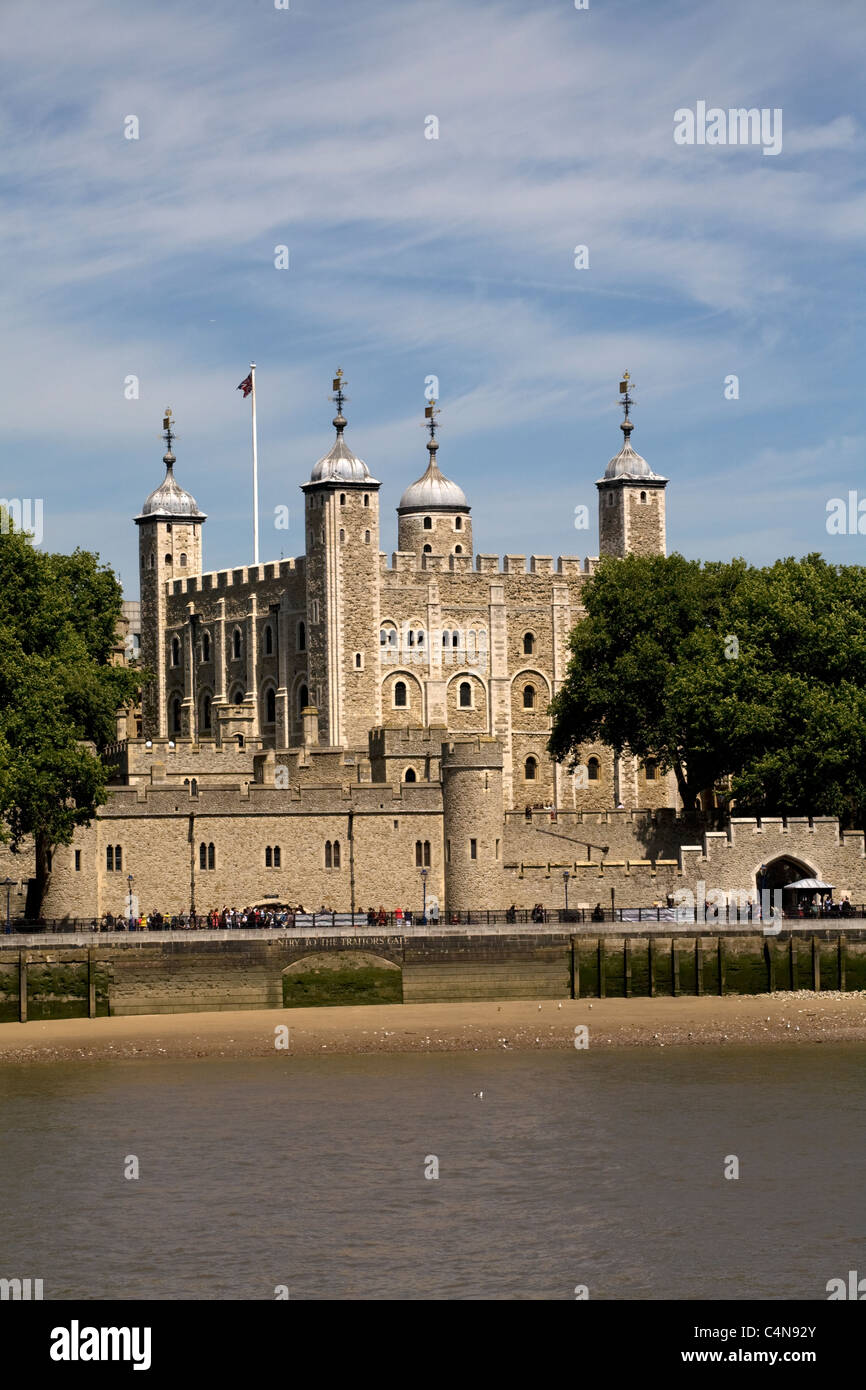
(726, 671)
(58, 694)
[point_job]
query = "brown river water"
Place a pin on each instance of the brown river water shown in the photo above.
(602, 1170)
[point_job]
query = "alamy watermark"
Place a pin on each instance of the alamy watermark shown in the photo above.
(24, 514)
(736, 126)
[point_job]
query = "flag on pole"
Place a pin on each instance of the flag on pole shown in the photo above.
(246, 385)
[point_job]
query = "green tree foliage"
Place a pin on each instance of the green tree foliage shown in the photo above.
(58, 694)
(726, 671)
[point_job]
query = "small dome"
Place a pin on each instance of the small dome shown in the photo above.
(341, 465)
(170, 499)
(433, 492)
(628, 464)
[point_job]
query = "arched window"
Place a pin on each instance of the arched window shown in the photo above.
(458, 523)
(470, 645)
(530, 770)
(328, 855)
(643, 497)
(270, 705)
(366, 499)
(458, 550)
(336, 854)
(302, 637)
(400, 695)
(269, 640)
(240, 740)
(109, 858)
(342, 534)
(529, 697)
(183, 557)
(419, 855)
(342, 499)
(236, 643)
(650, 767)
(367, 537)
(237, 696)
(465, 695)
(269, 858)
(428, 550)
(205, 646)
(427, 854)
(409, 775)
(428, 523)
(175, 651)
(211, 856)
(175, 715)
(303, 697)
(193, 787)
(277, 856)
(202, 855)
(592, 768)
(168, 559)
(205, 712)
(528, 643)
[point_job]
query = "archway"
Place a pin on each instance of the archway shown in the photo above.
(779, 872)
(342, 977)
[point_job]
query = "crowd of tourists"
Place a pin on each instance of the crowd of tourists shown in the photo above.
(232, 918)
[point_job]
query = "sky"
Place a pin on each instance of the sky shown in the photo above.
(412, 257)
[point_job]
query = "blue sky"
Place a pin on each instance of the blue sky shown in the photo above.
(411, 257)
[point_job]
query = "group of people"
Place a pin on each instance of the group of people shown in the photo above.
(235, 918)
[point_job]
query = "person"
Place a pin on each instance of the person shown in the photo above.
(381, 917)
(398, 915)
(598, 913)
(511, 913)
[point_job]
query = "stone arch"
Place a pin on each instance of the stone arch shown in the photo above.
(413, 710)
(781, 870)
(472, 716)
(343, 976)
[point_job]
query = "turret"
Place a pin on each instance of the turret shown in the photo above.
(433, 515)
(631, 498)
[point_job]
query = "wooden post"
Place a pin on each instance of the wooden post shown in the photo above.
(650, 963)
(575, 969)
(792, 962)
(720, 952)
(22, 986)
(699, 967)
(840, 952)
(771, 968)
(675, 968)
(602, 983)
(91, 983)
(626, 964)
(816, 965)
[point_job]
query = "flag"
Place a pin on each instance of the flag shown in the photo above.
(246, 385)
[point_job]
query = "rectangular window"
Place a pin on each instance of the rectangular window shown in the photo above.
(473, 849)
(447, 851)
(497, 849)
(77, 860)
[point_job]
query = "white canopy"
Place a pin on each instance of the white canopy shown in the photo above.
(815, 883)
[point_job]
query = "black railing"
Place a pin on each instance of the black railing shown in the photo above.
(474, 917)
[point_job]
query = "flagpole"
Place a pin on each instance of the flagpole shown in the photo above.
(255, 471)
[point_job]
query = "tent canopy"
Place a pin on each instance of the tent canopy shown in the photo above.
(806, 883)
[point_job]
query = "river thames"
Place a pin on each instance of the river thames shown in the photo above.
(571, 1169)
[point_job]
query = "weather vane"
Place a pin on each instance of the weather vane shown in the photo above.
(430, 413)
(625, 387)
(167, 431)
(338, 396)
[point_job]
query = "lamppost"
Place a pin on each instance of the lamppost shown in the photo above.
(424, 890)
(565, 877)
(129, 880)
(8, 884)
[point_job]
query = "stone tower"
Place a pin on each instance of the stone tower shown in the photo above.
(169, 547)
(473, 819)
(342, 531)
(631, 498)
(433, 515)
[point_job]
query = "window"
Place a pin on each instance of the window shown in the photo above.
(400, 698)
(332, 854)
(528, 643)
(272, 857)
(530, 769)
(237, 696)
(342, 499)
(205, 712)
(458, 550)
(270, 705)
(342, 534)
(240, 740)
(168, 559)
(458, 523)
(428, 523)
(428, 550)
(303, 698)
(336, 854)
(328, 855)
(205, 646)
(366, 499)
(302, 637)
(277, 856)
(193, 787)
(465, 697)
(359, 661)
(77, 860)
(175, 715)
(650, 767)
(643, 497)
(367, 537)
(592, 770)
(422, 854)
(473, 849)
(447, 851)
(314, 613)
(269, 640)
(409, 775)
(236, 643)
(183, 557)
(150, 562)
(206, 856)
(497, 849)
(109, 858)
(175, 651)
(427, 854)
(529, 697)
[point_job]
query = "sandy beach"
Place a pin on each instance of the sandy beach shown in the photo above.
(524, 1025)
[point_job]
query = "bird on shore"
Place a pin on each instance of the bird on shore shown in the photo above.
(479, 1095)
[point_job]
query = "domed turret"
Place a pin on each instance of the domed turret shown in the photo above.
(433, 515)
(340, 465)
(170, 499)
(631, 497)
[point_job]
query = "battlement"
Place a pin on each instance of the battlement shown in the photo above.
(407, 562)
(407, 740)
(475, 751)
(245, 577)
